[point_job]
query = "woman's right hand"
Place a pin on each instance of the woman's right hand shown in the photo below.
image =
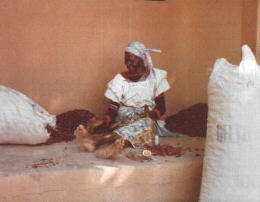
(94, 123)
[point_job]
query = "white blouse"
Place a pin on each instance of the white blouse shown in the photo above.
(137, 94)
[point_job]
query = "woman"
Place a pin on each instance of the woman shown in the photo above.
(136, 99)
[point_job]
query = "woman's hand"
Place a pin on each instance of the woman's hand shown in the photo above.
(152, 115)
(95, 123)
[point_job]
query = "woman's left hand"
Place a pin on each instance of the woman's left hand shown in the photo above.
(152, 115)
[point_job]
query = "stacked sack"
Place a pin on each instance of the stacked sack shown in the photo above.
(231, 170)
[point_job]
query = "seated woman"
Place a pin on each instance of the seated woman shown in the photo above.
(136, 101)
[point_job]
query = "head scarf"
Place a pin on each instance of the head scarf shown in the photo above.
(138, 49)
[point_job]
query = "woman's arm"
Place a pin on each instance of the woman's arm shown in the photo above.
(156, 113)
(160, 108)
(111, 112)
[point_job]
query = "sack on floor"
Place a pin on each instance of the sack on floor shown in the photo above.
(22, 121)
(231, 162)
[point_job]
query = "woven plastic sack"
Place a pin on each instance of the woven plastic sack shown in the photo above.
(231, 170)
(22, 121)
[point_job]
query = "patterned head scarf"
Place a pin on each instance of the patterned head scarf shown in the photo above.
(138, 49)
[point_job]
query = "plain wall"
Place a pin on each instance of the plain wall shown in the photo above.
(62, 53)
(249, 23)
(258, 32)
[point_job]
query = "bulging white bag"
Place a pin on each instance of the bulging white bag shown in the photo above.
(22, 121)
(231, 170)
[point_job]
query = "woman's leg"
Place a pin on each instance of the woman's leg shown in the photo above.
(109, 150)
(84, 137)
(106, 142)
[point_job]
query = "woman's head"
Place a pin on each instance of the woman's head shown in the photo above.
(135, 55)
(134, 64)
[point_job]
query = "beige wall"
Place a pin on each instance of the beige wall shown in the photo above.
(258, 33)
(249, 23)
(62, 53)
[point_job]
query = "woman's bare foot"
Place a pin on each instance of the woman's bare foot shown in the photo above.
(80, 132)
(108, 151)
(83, 136)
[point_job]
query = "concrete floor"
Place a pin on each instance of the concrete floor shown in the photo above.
(63, 172)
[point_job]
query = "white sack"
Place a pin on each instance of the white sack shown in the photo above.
(22, 121)
(231, 170)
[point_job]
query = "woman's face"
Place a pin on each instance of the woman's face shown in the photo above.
(134, 64)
